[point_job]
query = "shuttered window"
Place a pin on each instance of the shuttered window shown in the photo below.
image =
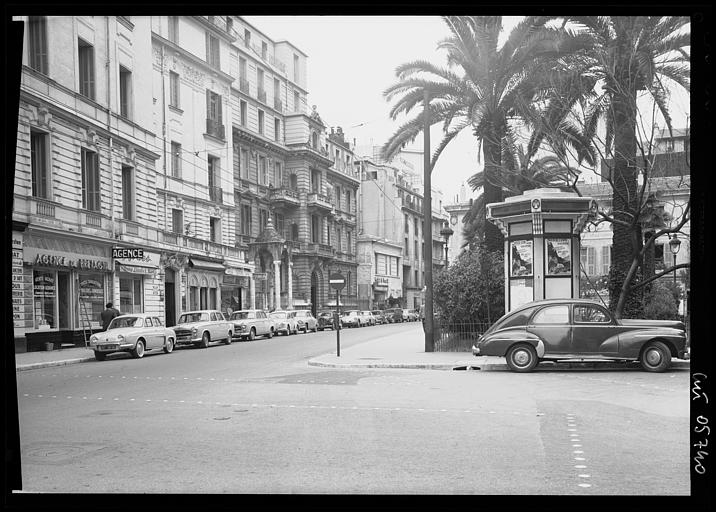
(90, 181)
(86, 68)
(37, 43)
(40, 165)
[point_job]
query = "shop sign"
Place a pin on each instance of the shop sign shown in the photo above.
(123, 253)
(260, 276)
(381, 282)
(58, 260)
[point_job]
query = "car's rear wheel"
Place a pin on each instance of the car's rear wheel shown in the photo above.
(522, 358)
(655, 357)
(138, 351)
(169, 345)
(270, 334)
(100, 356)
(252, 334)
(205, 339)
(315, 328)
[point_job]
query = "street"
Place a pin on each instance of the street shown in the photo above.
(253, 417)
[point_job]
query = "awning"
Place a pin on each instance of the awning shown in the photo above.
(206, 265)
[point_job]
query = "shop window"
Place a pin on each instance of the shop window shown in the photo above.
(39, 158)
(194, 298)
(203, 297)
(86, 68)
(130, 295)
(44, 299)
(90, 181)
(91, 292)
(37, 42)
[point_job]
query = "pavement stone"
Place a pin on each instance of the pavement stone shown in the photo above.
(403, 350)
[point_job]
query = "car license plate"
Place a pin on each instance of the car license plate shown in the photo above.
(107, 347)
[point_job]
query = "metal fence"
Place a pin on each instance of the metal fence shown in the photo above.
(457, 337)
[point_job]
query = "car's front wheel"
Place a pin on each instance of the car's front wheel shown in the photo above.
(252, 334)
(138, 351)
(315, 328)
(269, 335)
(229, 338)
(169, 345)
(205, 339)
(656, 357)
(522, 358)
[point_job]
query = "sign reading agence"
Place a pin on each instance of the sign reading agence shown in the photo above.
(127, 253)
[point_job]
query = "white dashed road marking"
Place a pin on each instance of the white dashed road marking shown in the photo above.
(574, 440)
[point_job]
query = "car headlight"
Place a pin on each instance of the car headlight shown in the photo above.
(120, 337)
(94, 339)
(193, 330)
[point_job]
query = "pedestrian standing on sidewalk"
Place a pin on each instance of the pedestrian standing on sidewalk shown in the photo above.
(107, 315)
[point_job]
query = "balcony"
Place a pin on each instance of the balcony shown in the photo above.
(216, 195)
(215, 129)
(278, 64)
(261, 95)
(318, 249)
(210, 248)
(285, 197)
(44, 208)
(93, 219)
(413, 205)
(278, 105)
(244, 85)
(319, 201)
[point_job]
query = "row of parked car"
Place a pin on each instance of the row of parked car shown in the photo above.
(137, 333)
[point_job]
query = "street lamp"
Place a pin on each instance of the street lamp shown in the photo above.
(674, 246)
(446, 232)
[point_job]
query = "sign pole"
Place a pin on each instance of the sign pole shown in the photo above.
(338, 324)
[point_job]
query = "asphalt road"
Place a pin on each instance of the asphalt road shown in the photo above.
(253, 417)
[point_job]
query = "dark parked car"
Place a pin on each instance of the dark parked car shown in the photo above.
(396, 315)
(325, 320)
(379, 316)
(578, 329)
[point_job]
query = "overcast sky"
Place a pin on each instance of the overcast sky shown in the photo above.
(352, 60)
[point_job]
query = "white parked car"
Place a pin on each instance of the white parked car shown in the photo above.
(249, 323)
(133, 334)
(306, 321)
(285, 322)
(352, 319)
(368, 317)
(199, 328)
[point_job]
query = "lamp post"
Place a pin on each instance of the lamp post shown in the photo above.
(674, 246)
(446, 232)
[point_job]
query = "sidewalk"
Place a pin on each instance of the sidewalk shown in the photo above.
(403, 350)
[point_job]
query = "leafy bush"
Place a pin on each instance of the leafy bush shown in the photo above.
(463, 293)
(661, 302)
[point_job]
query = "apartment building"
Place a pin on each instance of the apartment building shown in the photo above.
(168, 163)
(392, 210)
(84, 177)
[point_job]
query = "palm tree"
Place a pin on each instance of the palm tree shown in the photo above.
(628, 56)
(518, 174)
(491, 88)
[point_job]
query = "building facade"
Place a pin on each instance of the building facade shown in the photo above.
(168, 163)
(392, 209)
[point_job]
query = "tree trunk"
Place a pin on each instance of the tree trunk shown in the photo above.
(625, 246)
(494, 241)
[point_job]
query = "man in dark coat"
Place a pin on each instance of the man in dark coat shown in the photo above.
(107, 315)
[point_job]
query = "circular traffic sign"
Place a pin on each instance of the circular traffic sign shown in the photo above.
(336, 281)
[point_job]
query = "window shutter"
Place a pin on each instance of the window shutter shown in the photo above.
(208, 104)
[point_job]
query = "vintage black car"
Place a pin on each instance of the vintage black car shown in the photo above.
(583, 330)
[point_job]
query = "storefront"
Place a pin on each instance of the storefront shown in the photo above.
(138, 281)
(203, 284)
(60, 290)
(234, 291)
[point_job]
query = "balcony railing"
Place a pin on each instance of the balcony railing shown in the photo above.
(216, 194)
(214, 128)
(244, 85)
(93, 219)
(261, 95)
(286, 195)
(277, 63)
(45, 208)
(319, 201)
(277, 104)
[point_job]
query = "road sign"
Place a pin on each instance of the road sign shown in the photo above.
(337, 281)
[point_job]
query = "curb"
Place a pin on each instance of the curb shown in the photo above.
(47, 364)
(461, 365)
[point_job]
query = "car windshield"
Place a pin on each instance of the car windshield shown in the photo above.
(278, 315)
(126, 321)
(239, 315)
(193, 317)
(350, 313)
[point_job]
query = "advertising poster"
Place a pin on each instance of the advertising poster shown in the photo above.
(520, 258)
(521, 292)
(559, 257)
